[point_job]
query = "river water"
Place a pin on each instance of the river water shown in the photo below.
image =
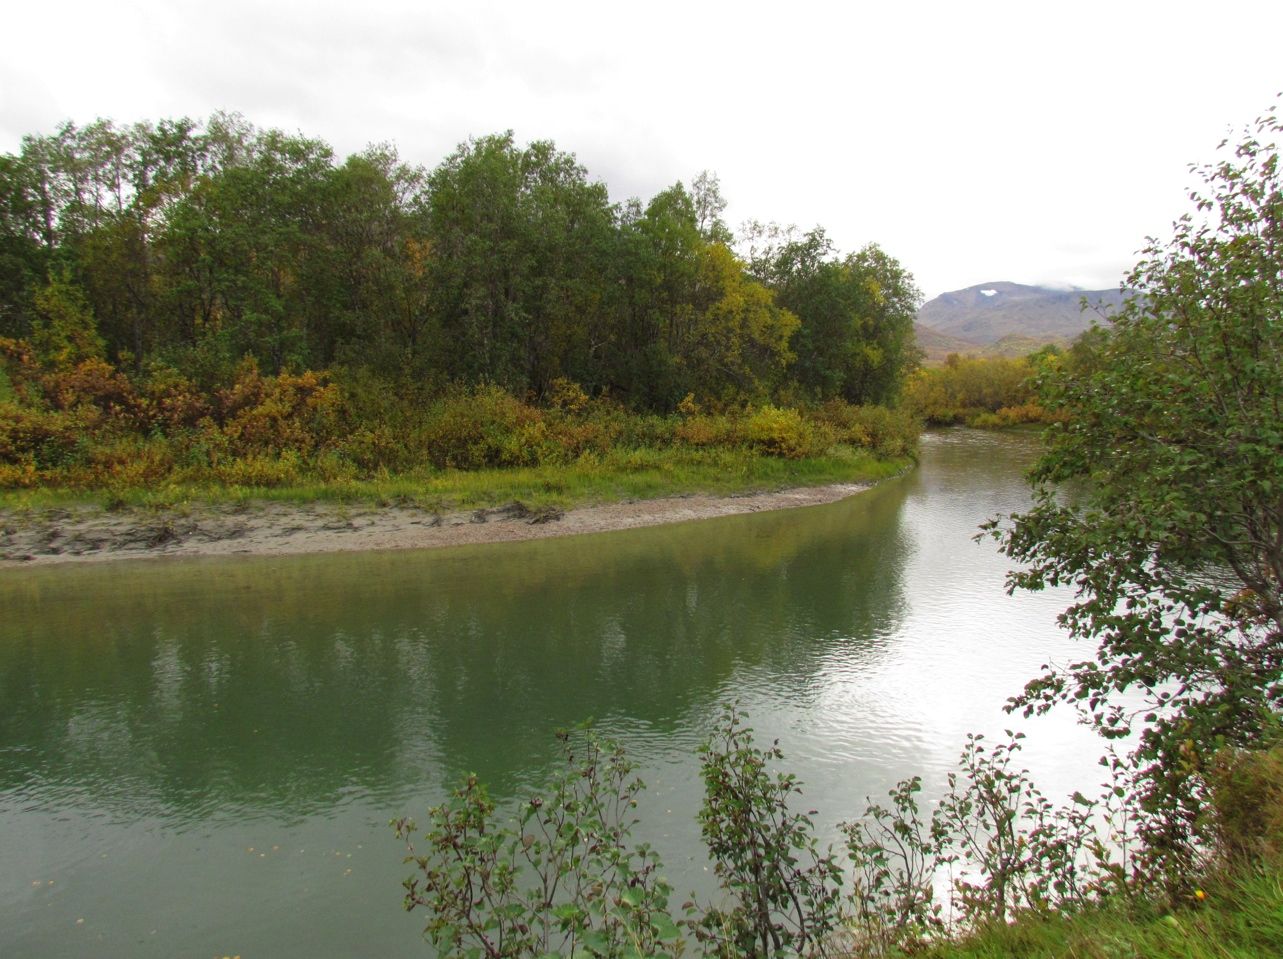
(200, 758)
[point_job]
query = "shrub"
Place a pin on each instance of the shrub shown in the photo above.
(564, 877)
(567, 439)
(783, 893)
(894, 858)
(334, 467)
(374, 446)
(567, 396)
(634, 430)
(169, 401)
(1031, 412)
(124, 461)
(261, 469)
(965, 387)
(477, 428)
(1247, 804)
(985, 421)
(96, 383)
(19, 474)
(55, 421)
(780, 432)
(886, 432)
(47, 439)
(279, 413)
(704, 430)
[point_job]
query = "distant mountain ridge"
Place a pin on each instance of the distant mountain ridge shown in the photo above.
(988, 312)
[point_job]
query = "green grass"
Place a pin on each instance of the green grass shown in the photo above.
(1243, 919)
(617, 476)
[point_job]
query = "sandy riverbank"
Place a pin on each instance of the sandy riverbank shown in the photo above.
(92, 534)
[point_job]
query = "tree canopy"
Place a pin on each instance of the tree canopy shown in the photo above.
(191, 245)
(856, 339)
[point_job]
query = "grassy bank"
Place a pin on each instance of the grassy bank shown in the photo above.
(1228, 905)
(613, 477)
(1241, 918)
(90, 432)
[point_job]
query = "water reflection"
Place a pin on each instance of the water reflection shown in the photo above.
(274, 683)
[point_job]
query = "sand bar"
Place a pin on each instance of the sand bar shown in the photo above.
(88, 534)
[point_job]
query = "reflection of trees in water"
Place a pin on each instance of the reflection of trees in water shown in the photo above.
(280, 683)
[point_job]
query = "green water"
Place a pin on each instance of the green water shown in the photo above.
(200, 758)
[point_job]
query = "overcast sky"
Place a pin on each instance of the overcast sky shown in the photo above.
(975, 142)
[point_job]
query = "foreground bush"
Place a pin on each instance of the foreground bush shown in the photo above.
(565, 878)
(994, 870)
(1158, 499)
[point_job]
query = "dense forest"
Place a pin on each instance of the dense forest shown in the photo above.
(193, 245)
(165, 279)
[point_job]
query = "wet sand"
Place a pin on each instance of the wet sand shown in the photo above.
(92, 534)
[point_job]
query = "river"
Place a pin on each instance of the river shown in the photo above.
(200, 758)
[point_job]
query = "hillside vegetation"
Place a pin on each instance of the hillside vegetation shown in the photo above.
(988, 391)
(209, 304)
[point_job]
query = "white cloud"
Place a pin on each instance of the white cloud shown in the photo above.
(862, 119)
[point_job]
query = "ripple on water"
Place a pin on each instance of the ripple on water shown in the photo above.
(225, 743)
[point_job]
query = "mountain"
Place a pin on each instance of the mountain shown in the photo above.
(988, 312)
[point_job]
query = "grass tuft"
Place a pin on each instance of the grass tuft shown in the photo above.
(615, 476)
